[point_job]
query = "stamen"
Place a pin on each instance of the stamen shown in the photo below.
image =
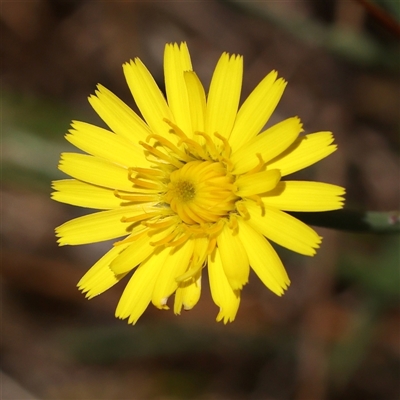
(233, 224)
(175, 128)
(148, 172)
(226, 153)
(186, 236)
(195, 147)
(215, 229)
(258, 167)
(211, 245)
(190, 273)
(136, 198)
(198, 230)
(141, 182)
(132, 237)
(192, 145)
(166, 239)
(141, 217)
(258, 200)
(242, 210)
(164, 223)
(165, 142)
(161, 155)
(145, 184)
(228, 163)
(212, 149)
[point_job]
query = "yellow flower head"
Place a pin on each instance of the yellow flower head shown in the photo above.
(196, 183)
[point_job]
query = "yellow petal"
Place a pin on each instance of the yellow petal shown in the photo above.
(137, 294)
(100, 278)
(305, 151)
(259, 182)
(141, 248)
(95, 171)
(268, 144)
(224, 95)
(118, 116)
(102, 143)
(226, 298)
(197, 103)
(263, 259)
(99, 226)
(282, 228)
(176, 62)
(148, 97)
(132, 256)
(305, 196)
(188, 293)
(256, 110)
(82, 194)
(233, 257)
(175, 265)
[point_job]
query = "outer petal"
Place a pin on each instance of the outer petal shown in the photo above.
(224, 95)
(263, 259)
(82, 194)
(268, 144)
(99, 226)
(222, 293)
(95, 171)
(197, 102)
(175, 265)
(259, 182)
(148, 97)
(100, 278)
(233, 257)
(256, 110)
(283, 229)
(133, 255)
(137, 294)
(196, 264)
(305, 196)
(118, 116)
(102, 143)
(176, 62)
(305, 151)
(188, 293)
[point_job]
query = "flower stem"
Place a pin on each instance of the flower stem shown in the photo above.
(353, 220)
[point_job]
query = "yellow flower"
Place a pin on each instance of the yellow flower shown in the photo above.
(194, 184)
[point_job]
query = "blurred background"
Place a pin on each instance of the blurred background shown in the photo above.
(334, 335)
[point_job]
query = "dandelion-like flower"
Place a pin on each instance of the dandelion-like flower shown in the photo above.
(194, 184)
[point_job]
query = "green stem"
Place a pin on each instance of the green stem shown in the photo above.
(354, 221)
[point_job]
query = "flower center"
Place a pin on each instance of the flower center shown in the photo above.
(184, 191)
(201, 192)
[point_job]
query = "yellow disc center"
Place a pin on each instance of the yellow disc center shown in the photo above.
(201, 192)
(184, 190)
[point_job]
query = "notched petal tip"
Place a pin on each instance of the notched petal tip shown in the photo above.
(225, 318)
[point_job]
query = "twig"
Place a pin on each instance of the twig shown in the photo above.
(385, 18)
(354, 221)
